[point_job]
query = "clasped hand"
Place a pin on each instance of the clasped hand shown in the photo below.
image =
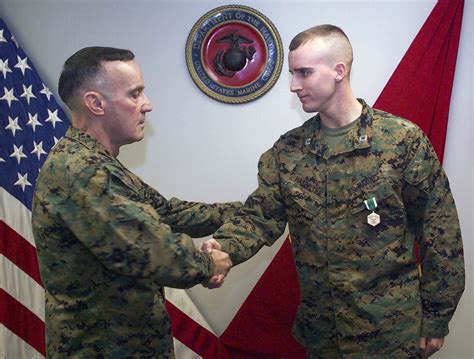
(222, 263)
(429, 346)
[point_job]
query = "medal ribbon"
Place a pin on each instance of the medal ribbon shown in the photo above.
(371, 204)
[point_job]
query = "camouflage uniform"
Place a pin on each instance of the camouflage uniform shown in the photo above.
(107, 244)
(361, 295)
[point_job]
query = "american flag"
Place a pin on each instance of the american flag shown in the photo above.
(31, 122)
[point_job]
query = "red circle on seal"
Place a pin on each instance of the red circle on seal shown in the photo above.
(213, 51)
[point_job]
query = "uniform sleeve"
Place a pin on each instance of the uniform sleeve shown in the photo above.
(193, 218)
(261, 221)
(123, 230)
(433, 215)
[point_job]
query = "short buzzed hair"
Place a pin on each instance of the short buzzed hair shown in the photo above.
(85, 64)
(324, 31)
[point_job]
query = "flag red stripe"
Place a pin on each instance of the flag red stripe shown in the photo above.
(21, 321)
(447, 74)
(194, 336)
(268, 313)
(19, 251)
(426, 73)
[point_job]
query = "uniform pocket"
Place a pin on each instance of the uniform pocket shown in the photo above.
(381, 190)
(391, 211)
(307, 201)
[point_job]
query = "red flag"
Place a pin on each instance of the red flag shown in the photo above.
(420, 88)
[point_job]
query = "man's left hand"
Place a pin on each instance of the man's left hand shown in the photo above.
(429, 346)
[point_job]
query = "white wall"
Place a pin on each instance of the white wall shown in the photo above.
(199, 149)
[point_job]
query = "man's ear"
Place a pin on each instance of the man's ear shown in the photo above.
(95, 103)
(341, 71)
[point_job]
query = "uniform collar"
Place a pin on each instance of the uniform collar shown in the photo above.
(76, 134)
(359, 137)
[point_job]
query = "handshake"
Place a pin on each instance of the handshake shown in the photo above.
(221, 263)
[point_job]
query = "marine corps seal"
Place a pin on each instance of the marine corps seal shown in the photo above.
(234, 54)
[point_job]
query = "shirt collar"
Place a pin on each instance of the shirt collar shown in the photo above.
(76, 134)
(359, 137)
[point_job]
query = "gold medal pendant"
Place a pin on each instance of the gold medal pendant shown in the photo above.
(373, 219)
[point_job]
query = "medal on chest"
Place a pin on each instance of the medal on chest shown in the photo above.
(373, 218)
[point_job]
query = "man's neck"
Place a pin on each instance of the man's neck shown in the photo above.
(342, 112)
(92, 128)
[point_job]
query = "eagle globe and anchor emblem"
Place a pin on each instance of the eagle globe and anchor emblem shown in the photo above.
(235, 58)
(234, 54)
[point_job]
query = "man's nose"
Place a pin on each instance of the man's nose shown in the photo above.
(295, 84)
(147, 107)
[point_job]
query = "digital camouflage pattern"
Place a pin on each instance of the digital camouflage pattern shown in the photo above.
(107, 244)
(361, 294)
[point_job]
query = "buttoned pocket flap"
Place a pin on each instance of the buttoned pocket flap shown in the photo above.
(379, 190)
(309, 201)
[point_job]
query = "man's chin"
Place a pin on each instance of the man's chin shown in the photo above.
(308, 109)
(137, 138)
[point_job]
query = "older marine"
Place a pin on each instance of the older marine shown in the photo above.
(107, 242)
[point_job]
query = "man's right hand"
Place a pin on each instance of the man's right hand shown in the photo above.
(210, 244)
(222, 265)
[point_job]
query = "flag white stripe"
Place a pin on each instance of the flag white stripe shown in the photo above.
(14, 347)
(182, 351)
(181, 300)
(21, 287)
(16, 215)
(239, 283)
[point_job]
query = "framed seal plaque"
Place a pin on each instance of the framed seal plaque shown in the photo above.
(234, 54)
